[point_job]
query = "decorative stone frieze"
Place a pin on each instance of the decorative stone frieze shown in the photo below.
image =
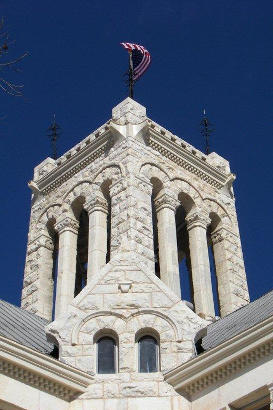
(228, 370)
(67, 224)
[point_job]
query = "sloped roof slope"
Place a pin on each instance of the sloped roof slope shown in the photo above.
(238, 321)
(24, 327)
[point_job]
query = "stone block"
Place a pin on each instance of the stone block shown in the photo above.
(159, 299)
(127, 301)
(91, 302)
(150, 403)
(139, 389)
(111, 390)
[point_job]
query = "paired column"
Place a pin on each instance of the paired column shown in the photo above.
(97, 208)
(165, 206)
(68, 234)
(197, 224)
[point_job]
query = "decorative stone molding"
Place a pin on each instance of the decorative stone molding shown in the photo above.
(41, 241)
(41, 371)
(230, 368)
(67, 224)
(73, 162)
(125, 287)
(36, 380)
(197, 218)
(96, 203)
(165, 201)
(128, 111)
(218, 364)
(186, 159)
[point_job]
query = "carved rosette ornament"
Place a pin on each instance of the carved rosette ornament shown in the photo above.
(97, 203)
(42, 240)
(197, 218)
(166, 201)
(67, 224)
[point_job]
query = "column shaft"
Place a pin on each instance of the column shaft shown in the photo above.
(167, 242)
(200, 266)
(97, 237)
(68, 233)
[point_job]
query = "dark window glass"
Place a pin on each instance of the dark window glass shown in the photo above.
(106, 355)
(148, 354)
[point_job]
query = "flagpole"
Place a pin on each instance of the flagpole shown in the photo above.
(131, 70)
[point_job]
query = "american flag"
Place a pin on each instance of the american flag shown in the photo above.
(141, 59)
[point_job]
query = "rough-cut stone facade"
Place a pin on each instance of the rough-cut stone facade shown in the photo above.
(132, 158)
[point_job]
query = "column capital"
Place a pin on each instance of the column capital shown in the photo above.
(221, 233)
(96, 203)
(165, 200)
(197, 218)
(67, 224)
(42, 241)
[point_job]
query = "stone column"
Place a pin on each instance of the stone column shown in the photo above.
(197, 224)
(97, 208)
(229, 264)
(165, 206)
(270, 388)
(37, 294)
(68, 234)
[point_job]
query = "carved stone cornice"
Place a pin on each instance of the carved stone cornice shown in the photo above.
(224, 361)
(166, 201)
(96, 203)
(41, 371)
(172, 147)
(75, 160)
(197, 218)
(42, 241)
(67, 224)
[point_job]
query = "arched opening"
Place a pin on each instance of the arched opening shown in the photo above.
(183, 249)
(105, 188)
(148, 354)
(157, 186)
(215, 222)
(82, 245)
(106, 355)
(55, 254)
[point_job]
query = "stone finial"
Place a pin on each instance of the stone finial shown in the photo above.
(197, 218)
(128, 111)
(67, 224)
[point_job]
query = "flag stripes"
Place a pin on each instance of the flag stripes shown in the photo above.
(141, 59)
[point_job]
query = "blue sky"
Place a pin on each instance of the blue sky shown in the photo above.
(210, 54)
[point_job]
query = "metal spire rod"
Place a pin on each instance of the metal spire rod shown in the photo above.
(131, 74)
(54, 135)
(206, 131)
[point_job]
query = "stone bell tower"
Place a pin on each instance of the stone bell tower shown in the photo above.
(111, 221)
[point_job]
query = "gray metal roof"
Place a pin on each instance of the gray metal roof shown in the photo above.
(238, 321)
(24, 327)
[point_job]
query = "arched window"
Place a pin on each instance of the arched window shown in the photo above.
(106, 350)
(148, 354)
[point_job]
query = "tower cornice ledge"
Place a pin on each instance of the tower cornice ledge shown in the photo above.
(186, 156)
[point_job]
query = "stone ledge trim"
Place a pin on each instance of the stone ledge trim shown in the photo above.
(41, 371)
(76, 163)
(224, 360)
(187, 161)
